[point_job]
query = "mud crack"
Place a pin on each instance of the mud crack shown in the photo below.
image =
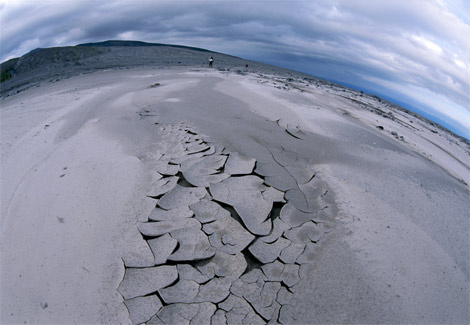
(227, 247)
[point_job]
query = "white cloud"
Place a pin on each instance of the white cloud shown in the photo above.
(67, 36)
(432, 47)
(437, 104)
(24, 47)
(129, 35)
(459, 63)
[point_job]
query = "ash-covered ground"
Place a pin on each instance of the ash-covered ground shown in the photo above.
(138, 185)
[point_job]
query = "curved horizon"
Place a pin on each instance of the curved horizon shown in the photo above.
(412, 53)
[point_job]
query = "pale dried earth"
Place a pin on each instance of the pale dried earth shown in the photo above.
(194, 196)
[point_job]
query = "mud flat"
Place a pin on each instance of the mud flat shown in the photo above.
(190, 195)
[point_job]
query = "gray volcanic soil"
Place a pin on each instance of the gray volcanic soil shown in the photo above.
(54, 64)
(274, 197)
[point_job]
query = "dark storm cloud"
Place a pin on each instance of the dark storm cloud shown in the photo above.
(415, 50)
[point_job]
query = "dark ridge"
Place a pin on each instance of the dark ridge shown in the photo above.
(139, 43)
(36, 50)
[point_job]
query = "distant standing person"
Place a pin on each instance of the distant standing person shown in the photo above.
(211, 60)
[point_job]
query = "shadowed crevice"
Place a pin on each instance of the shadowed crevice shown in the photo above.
(212, 273)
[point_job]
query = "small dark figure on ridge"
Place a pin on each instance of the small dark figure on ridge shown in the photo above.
(211, 60)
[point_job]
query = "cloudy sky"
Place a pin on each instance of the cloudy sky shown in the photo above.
(414, 52)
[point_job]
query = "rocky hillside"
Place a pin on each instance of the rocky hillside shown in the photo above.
(50, 64)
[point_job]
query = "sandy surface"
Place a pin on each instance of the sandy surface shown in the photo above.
(76, 172)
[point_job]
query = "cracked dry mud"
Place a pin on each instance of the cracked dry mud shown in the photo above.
(229, 236)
